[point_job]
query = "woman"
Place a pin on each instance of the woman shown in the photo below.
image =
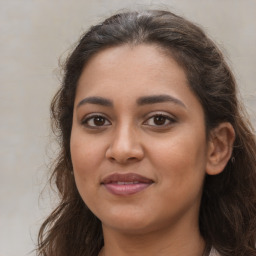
(157, 157)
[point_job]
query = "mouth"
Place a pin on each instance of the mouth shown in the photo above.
(126, 184)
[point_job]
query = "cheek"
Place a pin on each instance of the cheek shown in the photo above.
(180, 164)
(181, 159)
(85, 151)
(86, 157)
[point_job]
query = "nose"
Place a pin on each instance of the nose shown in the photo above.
(125, 146)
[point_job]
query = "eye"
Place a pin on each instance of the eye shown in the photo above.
(95, 121)
(160, 120)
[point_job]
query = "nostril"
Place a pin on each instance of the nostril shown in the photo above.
(123, 152)
(131, 158)
(124, 160)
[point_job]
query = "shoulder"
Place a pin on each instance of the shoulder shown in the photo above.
(213, 252)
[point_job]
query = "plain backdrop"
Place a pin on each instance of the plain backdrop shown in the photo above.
(34, 34)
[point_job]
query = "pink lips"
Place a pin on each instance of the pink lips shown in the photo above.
(126, 184)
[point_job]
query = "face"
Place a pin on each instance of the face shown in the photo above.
(138, 142)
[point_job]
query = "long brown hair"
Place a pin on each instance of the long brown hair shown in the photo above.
(228, 209)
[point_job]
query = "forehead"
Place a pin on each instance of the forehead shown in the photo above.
(124, 75)
(133, 67)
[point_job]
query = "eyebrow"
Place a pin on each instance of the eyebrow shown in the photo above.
(159, 99)
(145, 100)
(96, 100)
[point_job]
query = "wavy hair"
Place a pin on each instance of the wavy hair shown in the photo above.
(227, 216)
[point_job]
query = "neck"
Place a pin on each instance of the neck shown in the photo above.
(169, 242)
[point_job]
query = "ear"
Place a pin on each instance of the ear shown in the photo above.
(220, 147)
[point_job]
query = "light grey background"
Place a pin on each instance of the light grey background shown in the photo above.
(34, 34)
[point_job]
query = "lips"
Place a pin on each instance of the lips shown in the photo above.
(126, 184)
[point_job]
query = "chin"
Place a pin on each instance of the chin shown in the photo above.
(129, 223)
(131, 229)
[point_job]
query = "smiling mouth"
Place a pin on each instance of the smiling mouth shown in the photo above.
(126, 184)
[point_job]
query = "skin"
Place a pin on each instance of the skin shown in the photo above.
(127, 138)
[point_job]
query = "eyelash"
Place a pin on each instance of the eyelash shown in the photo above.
(93, 119)
(167, 121)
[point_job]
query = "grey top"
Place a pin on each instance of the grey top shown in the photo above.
(213, 252)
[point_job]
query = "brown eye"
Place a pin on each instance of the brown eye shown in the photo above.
(99, 121)
(96, 121)
(160, 120)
